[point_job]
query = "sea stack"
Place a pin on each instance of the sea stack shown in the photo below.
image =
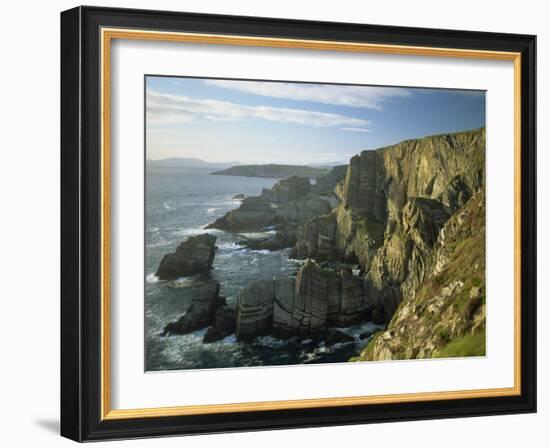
(194, 256)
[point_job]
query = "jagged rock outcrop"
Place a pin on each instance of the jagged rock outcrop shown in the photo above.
(444, 315)
(287, 190)
(200, 313)
(223, 324)
(287, 206)
(254, 213)
(195, 255)
(317, 238)
(302, 210)
(326, 184)
(318, 298)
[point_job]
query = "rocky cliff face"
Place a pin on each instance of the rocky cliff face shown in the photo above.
(411, 216)
(393, 203)
(444, 315)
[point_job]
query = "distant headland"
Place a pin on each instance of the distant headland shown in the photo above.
(275, 171)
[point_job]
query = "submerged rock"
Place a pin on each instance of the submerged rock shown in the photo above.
(193, 256)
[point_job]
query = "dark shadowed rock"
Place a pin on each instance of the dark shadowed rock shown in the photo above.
(254, 213)
(212, 334)
(283, 307)
(238, 196)
(193, 256)
(223, 324)
(352, 300)
(255, 310)
(200, 312)
(326, 184)
(316, 239)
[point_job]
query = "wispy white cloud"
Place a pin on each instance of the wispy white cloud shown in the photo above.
(170, 108)
(356, 129)
(354, 96)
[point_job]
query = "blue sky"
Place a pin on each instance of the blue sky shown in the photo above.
(295, 123)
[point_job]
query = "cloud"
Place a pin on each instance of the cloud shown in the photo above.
(339, 95)
(356, 129)
(170, 108)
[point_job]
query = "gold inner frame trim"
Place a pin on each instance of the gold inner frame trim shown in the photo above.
(107, 35)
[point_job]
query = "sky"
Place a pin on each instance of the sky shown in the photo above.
(259, 122)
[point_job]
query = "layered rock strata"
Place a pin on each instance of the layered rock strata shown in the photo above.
(444, 315)
(393, 203)
(305, 305)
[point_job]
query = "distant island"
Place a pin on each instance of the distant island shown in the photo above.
(275, 171)
(188, 162)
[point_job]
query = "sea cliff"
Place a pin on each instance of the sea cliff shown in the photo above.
(397, 237)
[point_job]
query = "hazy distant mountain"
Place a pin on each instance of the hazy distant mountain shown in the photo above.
(188, 162)
(276, 171)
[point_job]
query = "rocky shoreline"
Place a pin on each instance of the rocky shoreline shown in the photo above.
(378, 237)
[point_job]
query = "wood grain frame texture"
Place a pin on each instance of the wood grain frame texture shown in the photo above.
(86, 35)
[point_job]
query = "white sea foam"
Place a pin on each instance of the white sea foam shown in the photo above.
(356, 331)
(230, 246)
(160, 243)
(270, 341)
(212, 210)
(181, 282)
(152, 278)
(232, 339)
(258, 235)
(193, 231)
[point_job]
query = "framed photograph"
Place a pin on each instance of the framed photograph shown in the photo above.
(273, 223)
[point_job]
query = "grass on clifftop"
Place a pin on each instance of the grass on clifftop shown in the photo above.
(468, 345)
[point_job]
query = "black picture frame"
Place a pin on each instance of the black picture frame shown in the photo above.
(81, 224)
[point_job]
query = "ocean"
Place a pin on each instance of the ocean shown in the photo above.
(179, 203)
